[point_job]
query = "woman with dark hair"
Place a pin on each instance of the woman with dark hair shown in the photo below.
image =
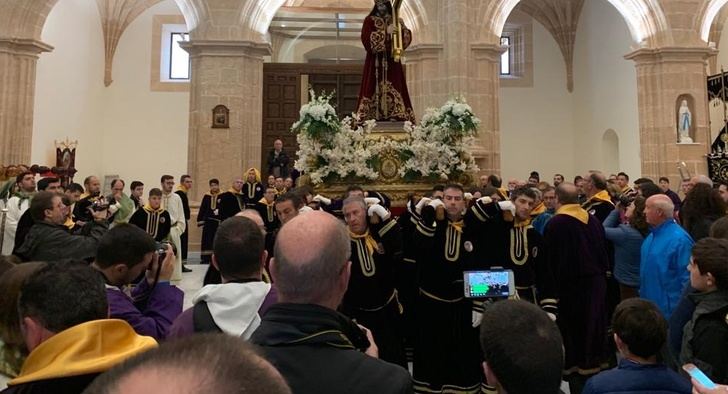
(383, 94)
(702, 206)
(627, 240)
(705, 337)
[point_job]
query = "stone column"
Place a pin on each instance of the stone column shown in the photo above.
(228, 73)
(663, 75)
(18, 59)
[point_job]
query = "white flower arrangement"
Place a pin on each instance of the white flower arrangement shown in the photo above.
(438, 148)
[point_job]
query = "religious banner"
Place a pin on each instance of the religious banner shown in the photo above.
(718, 158)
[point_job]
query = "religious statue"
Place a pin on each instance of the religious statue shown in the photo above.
(383, 95)
(685, 120)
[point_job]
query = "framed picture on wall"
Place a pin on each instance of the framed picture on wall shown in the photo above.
(221, 117)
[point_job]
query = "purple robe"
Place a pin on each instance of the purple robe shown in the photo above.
(153, 317)
(578, 258)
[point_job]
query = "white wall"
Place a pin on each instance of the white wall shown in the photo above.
(605, 89)
(69, 96)
(536, 123)
(548, 129)
(146, 132)
(122, 129)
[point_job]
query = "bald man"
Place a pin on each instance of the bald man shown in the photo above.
(665, 256)
(598, 202)
(317, 349)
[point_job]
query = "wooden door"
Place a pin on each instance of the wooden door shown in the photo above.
(281, 104)
(346, 87)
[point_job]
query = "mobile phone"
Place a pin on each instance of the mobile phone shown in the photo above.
(496, 283)
(699, 376)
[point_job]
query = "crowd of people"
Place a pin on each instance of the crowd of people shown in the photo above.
(618, 285)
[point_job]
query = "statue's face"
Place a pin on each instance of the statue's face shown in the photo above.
(382, 9)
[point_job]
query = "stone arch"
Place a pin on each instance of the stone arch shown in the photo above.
(610, 151)
(708, 13)
(645, 18)
(258, 14)
(24, 19)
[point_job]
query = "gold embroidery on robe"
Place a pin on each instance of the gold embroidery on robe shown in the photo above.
(366, 260)
(519, 245)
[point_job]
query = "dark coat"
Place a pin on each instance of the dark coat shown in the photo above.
(50, 242)
(705, 338)
(281, 161)
(633, 378)
(315, 349)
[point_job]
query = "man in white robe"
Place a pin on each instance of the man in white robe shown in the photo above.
(173, 204)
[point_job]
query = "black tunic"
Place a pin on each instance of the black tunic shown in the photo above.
(229, 204)
(186, 208)
(208, 219)
(156, 223)
(371, 297)
(501, 243)
(447, 353)
(252, 193)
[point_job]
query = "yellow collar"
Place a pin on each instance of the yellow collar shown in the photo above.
(233, 191)
(212, 194)
(538, 210)
(458, 226)
(370, 242)
(90, 347)
(266, 203)
(148, 208)
(601, 196)
(575, 211)
(182, 188)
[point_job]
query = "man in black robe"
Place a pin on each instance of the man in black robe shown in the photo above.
(208, 218)
(505, 238)
(185, 184)
(92, 195)
(252, 189)
(599, 202)
(152, 218)
(371, 299)
(231, 202)
(447, 358)
(266, 207)
(576, 252)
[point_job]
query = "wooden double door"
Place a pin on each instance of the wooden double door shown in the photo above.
(285, 89)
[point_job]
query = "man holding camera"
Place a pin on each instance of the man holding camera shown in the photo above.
(125, 253)
(49, 240)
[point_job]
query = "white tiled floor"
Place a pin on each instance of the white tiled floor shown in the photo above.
(192, 282)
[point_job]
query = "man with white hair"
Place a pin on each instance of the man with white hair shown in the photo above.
(665, 256)
(699, 179)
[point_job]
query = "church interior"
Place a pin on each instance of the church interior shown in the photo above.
(141, 88)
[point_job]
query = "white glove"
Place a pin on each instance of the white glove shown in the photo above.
(322, 199)
(507, 206)
(485, 200)
(114, 208)
(305, 209)
(477, 319)
(551, 316)
(379, 211)
(421, 204)
(371, 200)
(436, 203)
(468, 196)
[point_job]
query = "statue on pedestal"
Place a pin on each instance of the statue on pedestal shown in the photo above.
(685, 120)
(383, 95)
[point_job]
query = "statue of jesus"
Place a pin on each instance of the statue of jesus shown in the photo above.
(383, 95)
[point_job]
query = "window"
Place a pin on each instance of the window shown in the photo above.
(505, 66)
(170, 64)
(174, 65)
(179, 59)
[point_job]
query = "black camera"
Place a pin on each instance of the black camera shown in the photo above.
(626, 200)
(161, 249)
(99, 205)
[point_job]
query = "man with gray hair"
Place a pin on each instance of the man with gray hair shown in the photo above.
(317, 349)
(699, 179)
(371, 298)
(665, 256)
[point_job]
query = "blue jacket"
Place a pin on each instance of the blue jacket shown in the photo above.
(627, 244)
(632, 378)
(663, 268)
